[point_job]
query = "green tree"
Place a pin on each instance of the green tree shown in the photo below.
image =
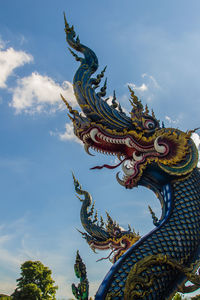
(177, 296)
(4, 297)
(35, 282)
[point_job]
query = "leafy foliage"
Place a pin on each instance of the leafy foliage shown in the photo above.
(177, 297)
(4, 297)
(35, 283)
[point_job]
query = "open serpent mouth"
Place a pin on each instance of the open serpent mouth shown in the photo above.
(117, 248)
(132, 154)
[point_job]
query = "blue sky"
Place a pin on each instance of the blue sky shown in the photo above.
(152, 45)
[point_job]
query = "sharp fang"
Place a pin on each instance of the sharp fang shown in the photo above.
(86, 147)
(137, 157)
(159, 148)
(119, 180)
(128, 142)
(93, 133)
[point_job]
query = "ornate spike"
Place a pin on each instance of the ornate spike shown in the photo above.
(102, 92)
(66, 23)
(102, 221)
(69, 29)
(75, 180)
(101, 75)
(78, 40)
(71, 110)
(155, 219)
(81, 232)
(146, 110)
(137, 109)
(92, 209)
(152, 113)
(70, 117)
(120, 109)
(135, 99)
(114, 103)
(109, 219)
(75, 55)
(79, 198)
(95, 217)
(96, 81)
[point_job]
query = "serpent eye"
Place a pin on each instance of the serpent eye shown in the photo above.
(149, 124)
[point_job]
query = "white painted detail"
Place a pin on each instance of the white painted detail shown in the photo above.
(93, 134)
(127, 171)
(159, 148)
(137, 157)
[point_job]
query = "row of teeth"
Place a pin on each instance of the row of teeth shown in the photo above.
(161, 149)
(104, 138)
(103, 151)
(111, 140)
(126, 141)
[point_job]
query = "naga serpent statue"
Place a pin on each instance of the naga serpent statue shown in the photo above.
(161, 159)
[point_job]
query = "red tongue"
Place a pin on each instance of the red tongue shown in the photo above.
(108, 166)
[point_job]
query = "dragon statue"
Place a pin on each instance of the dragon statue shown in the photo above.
(161, 159)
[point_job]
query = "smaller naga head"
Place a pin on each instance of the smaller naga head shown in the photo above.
(102, 235)
(118, 240)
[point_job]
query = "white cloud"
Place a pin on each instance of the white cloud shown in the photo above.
(37, 93)
(147, 89)
(152, 80)
(171, 121)
(67, 135)
(11, 59)
(2, 44)
(141, 88)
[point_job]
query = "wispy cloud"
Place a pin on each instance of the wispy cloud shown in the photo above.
(141, 88)
(146, 89)
(67, 135)
(2, 44)
(171, 121)
(37, 93)
(11, 59)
